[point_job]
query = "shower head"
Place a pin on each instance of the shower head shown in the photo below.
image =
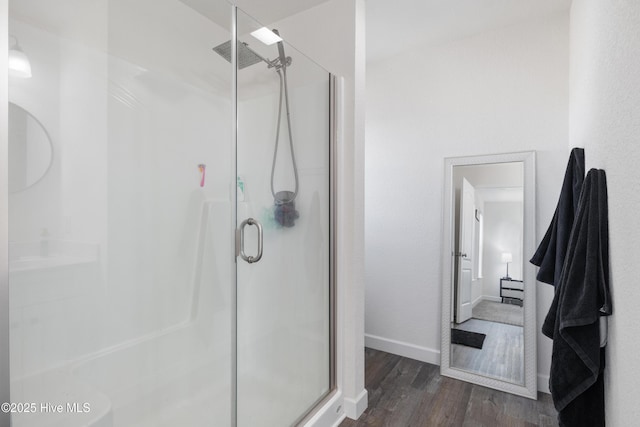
(246, 56)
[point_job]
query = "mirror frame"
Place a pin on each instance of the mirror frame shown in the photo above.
(530, 387)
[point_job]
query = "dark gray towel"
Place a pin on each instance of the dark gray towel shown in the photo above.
(581, 297)
(551, 252)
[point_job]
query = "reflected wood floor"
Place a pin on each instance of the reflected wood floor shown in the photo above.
(501, 356)
(494, 311)
(408, 393)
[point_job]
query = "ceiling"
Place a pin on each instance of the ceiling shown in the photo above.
(166, 40)
(271, 11)
(392, 26)
(401, 25)
(144, 31)
(507, 194)
(265, 12)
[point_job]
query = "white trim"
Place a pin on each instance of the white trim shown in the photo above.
(340, 420)
(405, 349)
(5, 417)
(543, 383)
(486, 298)
(330, 412)
(353, 408)
(477, 301)
(331, 415)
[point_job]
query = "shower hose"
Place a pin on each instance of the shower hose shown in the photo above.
(282, 73)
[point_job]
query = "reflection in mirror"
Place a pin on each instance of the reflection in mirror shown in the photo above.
(488, 321)
(30, 150)
(487, 326)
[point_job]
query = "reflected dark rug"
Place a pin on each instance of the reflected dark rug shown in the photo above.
(470, 339)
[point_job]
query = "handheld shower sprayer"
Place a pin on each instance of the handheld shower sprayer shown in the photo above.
(284, 61)
(285, 212)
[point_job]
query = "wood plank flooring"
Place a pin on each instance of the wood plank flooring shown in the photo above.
(501, 356)
(408, 393)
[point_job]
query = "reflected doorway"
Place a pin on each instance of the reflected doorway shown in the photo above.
(488, 293)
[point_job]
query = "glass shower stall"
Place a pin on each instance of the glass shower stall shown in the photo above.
(170, 218)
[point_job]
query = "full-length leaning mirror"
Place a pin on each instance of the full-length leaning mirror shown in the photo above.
(488, 289)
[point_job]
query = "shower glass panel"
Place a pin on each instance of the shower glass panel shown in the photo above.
(283, 323)
(129, 182)
(121, 254)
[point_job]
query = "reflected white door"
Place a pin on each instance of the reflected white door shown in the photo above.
(465, 242)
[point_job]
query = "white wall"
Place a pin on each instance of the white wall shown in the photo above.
(503, 223)
(605, 95)
(500, 91)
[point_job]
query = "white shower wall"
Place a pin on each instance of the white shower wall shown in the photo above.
(125, 166)
(153, 169)
(133, 299)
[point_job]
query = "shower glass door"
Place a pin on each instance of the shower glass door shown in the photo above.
(283, 299)
(120, 226)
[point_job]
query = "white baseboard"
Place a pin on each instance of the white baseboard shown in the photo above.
(330, 415)
(543, 383)
(485, 298)
(340, 420)
(353, 408)
(405, 349)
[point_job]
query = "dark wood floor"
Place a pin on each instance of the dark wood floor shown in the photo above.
(404, 392)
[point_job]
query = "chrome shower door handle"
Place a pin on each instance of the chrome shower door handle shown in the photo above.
(250, 259)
